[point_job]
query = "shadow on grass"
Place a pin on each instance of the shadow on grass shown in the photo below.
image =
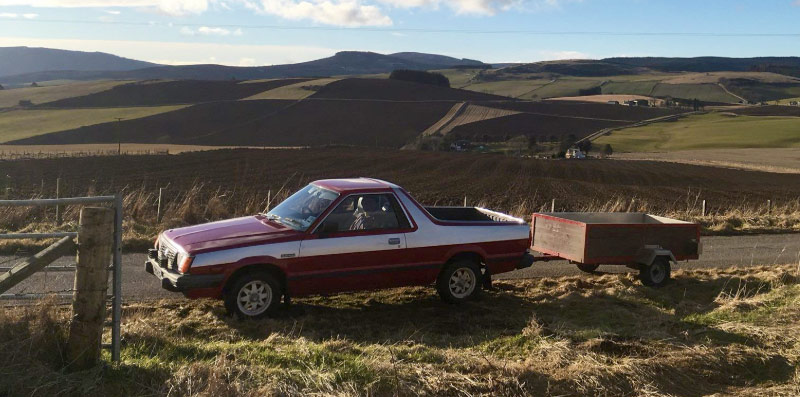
(588, 311)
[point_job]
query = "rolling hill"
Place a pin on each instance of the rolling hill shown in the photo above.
(342, 63)
(704, 64)
(19, 60)
(440, 60)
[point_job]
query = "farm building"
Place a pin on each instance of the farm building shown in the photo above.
(794, 103)
(575, 153)
(613, 102)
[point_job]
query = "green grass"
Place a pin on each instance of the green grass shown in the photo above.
(708, 131)
(459, 77)
(629, 87)
(38, 95)
(509, 88)
(589, 335)
(22, 123)
(703, 92)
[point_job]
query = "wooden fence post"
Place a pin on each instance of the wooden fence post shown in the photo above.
(704, 209)
(158, 211)
(269, 199)
(95, 242)
(769, 207)
(465, 201)
(59, 215)
(553, 206)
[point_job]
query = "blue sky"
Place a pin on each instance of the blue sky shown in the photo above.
(265, 32)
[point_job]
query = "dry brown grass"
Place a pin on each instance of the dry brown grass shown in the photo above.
(720, 332)
(205, 203)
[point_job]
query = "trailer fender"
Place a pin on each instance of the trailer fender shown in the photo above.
(649, 253)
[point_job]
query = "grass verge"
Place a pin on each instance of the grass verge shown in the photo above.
(729, 332)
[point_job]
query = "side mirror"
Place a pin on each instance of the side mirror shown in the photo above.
(328, 227)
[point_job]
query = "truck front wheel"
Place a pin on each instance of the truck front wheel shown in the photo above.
(253, 295)
(459, 281)
(657, 274)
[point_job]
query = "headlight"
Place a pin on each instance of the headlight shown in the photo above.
(184, 262)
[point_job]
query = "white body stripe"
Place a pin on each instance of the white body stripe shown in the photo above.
(353, 244)
(277, 250)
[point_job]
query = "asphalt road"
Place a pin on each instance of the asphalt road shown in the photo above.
(740, 251)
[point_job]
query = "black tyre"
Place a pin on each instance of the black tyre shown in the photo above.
(253, 295)
(657, 274)
(587, 268)
(459, 281)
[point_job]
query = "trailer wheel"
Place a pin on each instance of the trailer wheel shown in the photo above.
(253, 295)
(459, 281)
(657, 274)
(587, 268)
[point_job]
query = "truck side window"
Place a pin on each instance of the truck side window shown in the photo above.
(368, 212)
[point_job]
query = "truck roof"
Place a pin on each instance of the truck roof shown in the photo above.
(349, 184)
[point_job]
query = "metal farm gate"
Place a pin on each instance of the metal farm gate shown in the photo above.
(11, 276)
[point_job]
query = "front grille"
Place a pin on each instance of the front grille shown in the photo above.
(167, 257)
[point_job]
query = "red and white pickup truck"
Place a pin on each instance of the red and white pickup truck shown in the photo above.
(339, 235)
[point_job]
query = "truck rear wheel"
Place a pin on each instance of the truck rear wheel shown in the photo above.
(459, 281)
(253, 295)
(657, 274)
(587, 268)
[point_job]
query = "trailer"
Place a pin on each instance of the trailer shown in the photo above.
(640, 241)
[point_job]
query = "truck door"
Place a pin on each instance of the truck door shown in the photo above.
(360, 245)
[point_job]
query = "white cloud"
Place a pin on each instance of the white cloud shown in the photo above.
(181, 53)
(210, 31)
(11, 15)
(329, 12)
(546, 55)
(171, 7)
(479, 7)
(113, 12)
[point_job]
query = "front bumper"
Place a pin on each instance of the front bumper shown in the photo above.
(177, 282)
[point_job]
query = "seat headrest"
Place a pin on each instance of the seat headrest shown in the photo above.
(368, 204)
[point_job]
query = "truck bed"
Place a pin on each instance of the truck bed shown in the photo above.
(468, 214)
(611, 238)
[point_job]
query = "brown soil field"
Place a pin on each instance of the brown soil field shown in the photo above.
(542, 126)
(772, 110)
(395, 90)
(589, 110)
(148, 93)
(435, 178)
(267, 123)
(469, 114)
(184, 126)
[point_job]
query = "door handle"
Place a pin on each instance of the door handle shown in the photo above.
(394, 241)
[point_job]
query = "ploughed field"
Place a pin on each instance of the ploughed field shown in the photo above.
(354, 111)
(506, 183)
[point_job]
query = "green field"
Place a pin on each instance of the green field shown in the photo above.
(20, 124)
(703, 92)
(459, 77)
(509, 88)
(708, 131)
(37, 95)
(629, 87)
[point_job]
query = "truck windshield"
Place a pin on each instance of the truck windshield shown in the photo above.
(301, 209)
